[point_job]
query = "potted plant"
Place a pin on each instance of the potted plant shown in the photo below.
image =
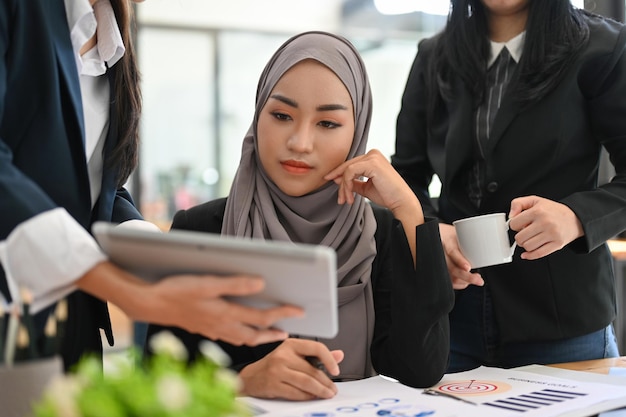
(163, 385)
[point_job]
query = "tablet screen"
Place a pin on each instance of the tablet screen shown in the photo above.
(298, 274)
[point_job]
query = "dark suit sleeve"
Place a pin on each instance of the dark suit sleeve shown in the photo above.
(411, 334)
(21, 198)
(602, 79)
(124, 207)
(410, 158)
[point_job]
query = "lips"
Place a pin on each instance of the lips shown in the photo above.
(296, 167)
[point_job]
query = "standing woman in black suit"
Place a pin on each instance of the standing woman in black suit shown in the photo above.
(510, 106)
(69, 111)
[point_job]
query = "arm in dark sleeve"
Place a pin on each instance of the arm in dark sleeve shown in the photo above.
(20, 197)
(602, 211)
(124, 207)
(410, 158)
(411, 335)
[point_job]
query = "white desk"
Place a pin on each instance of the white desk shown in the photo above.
(490, 391)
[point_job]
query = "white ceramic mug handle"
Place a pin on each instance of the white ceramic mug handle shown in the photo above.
(514, 245)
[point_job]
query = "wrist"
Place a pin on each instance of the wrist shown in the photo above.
(112, 284)
(409, 213)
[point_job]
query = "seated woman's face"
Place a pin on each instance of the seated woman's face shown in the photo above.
(306, 128)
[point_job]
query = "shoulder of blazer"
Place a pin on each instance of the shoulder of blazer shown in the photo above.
(604, 50)
(427, 45)
(605, 34)
(206, 217)
(425, 49)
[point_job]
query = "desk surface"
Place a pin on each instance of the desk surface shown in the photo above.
(599, 366)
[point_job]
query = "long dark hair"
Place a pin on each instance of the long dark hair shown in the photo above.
(555, 33)
(127, 98)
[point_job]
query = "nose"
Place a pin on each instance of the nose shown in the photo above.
(301, 140)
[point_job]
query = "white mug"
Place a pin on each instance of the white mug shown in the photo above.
(484, 240)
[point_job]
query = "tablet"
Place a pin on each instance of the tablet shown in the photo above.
(299, 274)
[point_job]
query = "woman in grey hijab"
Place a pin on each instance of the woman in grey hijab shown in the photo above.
(304, 176)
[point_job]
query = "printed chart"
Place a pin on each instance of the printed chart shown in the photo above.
(482, 392)
(474, 387)
(535, 400)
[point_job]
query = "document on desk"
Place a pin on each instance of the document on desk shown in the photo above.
(622, 411)
(482, 392)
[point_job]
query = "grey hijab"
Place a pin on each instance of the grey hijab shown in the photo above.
(257, 208)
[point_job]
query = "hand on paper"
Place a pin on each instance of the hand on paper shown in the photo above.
(285, 373)
(543, 226)
(458, 266)
(191, 302)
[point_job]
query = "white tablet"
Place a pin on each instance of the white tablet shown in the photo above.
(298, 274)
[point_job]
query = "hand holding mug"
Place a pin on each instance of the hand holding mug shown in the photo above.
(459, 268)
(544, 226)
(484, 240)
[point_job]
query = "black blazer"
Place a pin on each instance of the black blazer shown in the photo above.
(411, 332)
(42, 154)
(550, 149)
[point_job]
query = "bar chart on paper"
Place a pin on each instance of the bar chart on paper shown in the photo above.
(521, 403)
(535, 400)
(482, 392)
(517, 393)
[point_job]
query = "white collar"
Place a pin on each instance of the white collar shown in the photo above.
(83, 21)
(515, 47)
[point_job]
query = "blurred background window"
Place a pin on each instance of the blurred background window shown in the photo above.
(200, 62)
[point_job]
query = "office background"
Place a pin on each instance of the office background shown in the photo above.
(200, 61)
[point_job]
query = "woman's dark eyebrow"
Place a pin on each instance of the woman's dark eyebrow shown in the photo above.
(285, 100)
(330, 107)
(323, 107)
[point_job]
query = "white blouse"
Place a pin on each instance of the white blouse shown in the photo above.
(514, 45)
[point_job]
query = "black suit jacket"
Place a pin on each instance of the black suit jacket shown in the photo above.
(42, 153)
(411, 332)
(550, 149)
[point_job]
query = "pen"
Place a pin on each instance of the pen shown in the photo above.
(315, 362)
(431, 391)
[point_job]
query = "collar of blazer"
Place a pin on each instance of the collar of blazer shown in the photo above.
(68, 76)
(507, 112)
(461, 136)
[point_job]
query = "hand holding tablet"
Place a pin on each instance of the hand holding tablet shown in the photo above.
(296, 274)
